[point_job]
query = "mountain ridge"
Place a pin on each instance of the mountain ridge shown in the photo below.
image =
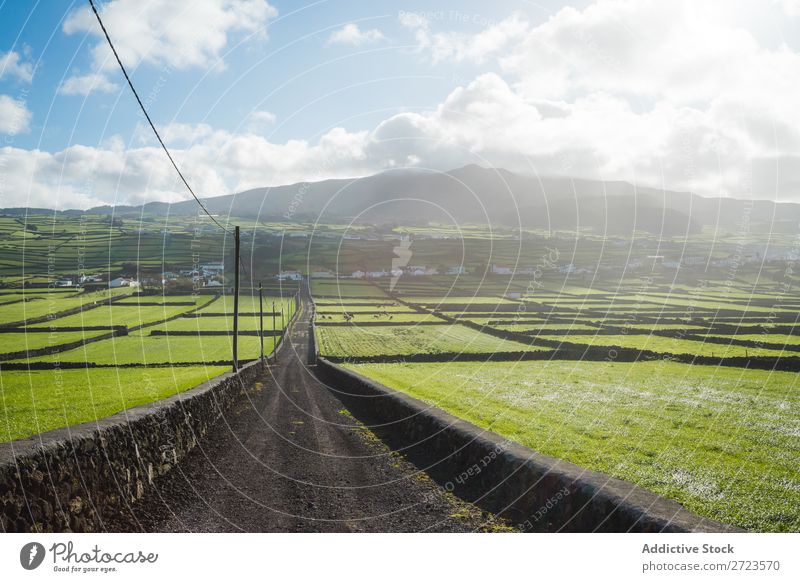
(474, 194)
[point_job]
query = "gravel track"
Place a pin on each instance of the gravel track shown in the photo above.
(292, 459)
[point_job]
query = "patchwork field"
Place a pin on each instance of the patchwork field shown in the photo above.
(134, 350)
(723, 440)
(404, 340)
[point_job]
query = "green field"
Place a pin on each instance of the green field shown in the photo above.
(38, 401)
(404, 340)
(140, 348)
(25, 342)
(49, 304)
(667, 345)
(724, 442)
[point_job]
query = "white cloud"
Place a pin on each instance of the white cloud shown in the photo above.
(597, 136)
(460, 46)
(11, 65)
(261, 119)
(353, 35)
(790, 7)
(169, 34)
(15, 117)
(85, 84)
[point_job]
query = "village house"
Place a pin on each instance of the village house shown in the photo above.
(290, 276)
(122, 282)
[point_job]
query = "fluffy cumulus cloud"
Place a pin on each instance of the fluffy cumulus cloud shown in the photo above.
(176, 35)
(260, 120)
(14, 116)
(353, 35)
(675, 93)
(13, 65)
(85, 84)
(460, 46)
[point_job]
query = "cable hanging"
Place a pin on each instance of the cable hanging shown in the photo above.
(147, 116)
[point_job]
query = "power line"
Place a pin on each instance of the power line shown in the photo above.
(147, 116)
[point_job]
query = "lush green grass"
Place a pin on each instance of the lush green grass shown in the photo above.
(50, 304)
(128, 315)
(249, 304)
(724, 442)
(408, 340)
(33, 402)
(667, 345)
(393, 317)
(433, 302)
(139, 348)
(20, 342)
(221, 323)
(344, 288)
(345, 308)
(197, 300)
(766, 338)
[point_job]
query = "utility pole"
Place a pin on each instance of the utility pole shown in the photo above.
(274, 331)
(236, 303)
(261, 320)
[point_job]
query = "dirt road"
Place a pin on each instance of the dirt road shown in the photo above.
(293, 459)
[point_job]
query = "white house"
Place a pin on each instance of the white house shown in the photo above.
(213, 268)
(376, 274)
(502, 270)
(358, 275)
(122, 282)
(290, 276)
(459, 270)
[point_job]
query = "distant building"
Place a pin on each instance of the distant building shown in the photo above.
(322, 275)
(213, 268)
(122, 282)
(502, 270)
(290, 276)
(459, 270)
(358, 275)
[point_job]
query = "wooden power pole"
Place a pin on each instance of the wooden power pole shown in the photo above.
(274, 331)
(236, 302)
(261, 319)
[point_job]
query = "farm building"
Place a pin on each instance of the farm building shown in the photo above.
(122, 282)
(290, 276)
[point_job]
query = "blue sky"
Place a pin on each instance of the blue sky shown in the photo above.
(291, 69)
(686, 95)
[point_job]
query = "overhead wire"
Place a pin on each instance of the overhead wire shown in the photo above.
(153, 127)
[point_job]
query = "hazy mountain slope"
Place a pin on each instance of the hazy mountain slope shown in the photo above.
(474, 194)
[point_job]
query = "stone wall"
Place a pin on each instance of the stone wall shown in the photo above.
(69, 479)
(536, 492)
